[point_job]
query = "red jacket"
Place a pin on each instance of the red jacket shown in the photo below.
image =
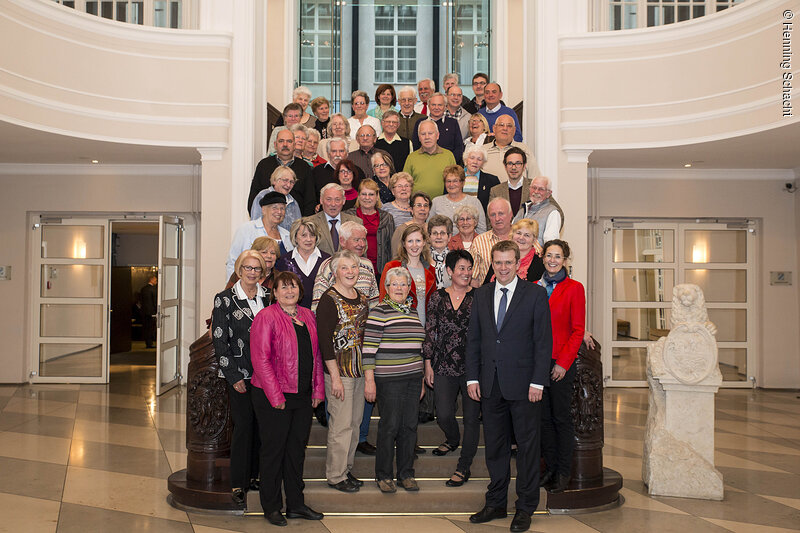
(273, 352)
(568, 320)
(430, 283)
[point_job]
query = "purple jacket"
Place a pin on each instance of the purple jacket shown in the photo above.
(273, 352)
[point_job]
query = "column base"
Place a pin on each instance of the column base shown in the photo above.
(599, 496)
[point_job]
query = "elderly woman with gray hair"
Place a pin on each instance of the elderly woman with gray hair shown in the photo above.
(393, 371)
(304, 261)
(359, 102)
(281, 180)
(338, 128)
(477, 182)
(301, 96)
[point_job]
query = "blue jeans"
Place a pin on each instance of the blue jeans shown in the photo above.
(364, 429)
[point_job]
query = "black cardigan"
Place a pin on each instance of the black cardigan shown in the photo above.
(231, 319)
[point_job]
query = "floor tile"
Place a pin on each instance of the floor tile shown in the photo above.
(740, 507)
(206, 529)
(177, 460)
(390, 524)
(789, 502)
(628, 467)
(114, 415)
(782, 462)
(741, 442)
(120, 492)
(632, 520)
(141, 437)
(34, 447)
(56, 393)
(51, 426)
(740, 527)
(81, 518)
(255, 524)
(637, 500)
(31, 515)
(32, 406)
(175, 421)
(8, 390)
(111, 400)
(539, 523)
(117, 458)
(758, 482)
(10, 419)
(173, 440)
(634, 447)
(32, 478)
(722, 459)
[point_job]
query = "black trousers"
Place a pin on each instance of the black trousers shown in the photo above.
(446, 390)
(498, 416)
(245, 441)
(149, 330)
(398, 405)
(284, 437)
(558, 429)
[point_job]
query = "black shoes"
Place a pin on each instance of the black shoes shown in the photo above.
(462, 478)
(444, 449)
(344, 486)
(321, 415)
(275, 518)
(305, 512)
(559, 485)
(366, 448)
(238, 496)
(487, 514)
(419, 450)
(354, 480)
(521, 521)
(255, 484)
(424, 418)
(547, 479)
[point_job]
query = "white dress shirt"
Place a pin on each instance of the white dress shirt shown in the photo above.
(306, 266)
(256, 304)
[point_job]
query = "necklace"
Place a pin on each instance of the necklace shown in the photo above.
(292, 315)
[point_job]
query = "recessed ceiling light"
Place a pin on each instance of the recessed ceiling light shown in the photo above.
(687, 165)
(95, 161)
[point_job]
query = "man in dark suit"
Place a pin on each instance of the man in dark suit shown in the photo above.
(303, 188)
(509, 347)
(449, 131)
(149, 300)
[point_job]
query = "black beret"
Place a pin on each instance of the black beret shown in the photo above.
(273, 197)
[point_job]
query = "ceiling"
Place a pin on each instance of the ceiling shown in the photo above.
(19, 144)
(777, 148)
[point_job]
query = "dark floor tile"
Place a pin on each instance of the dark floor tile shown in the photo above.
(3, 401)
(80, 519)
(118, 458)
(632, 520)
(172, 440)
(609, 449)
(758, 482)
(39, 393)
(32, 478)
(621, 431)
(254, 524)
(114, 415)
(50, 426)
(740, 507)
(787, 462)
(9, 419)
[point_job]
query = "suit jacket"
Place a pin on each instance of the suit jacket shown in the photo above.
(149, 299)
(486, 182)
(449, 137)
(302, 191)
(520, 352)
(501, 191)
(325, 243)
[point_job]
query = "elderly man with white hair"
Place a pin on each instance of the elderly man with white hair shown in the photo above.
(500, 216)
(407, 97)
(543, 209)
(366, 137)
(427, 163)
(425, 88)
(330, 218)
(322, 175)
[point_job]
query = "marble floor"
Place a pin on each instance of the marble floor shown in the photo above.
(95, 458)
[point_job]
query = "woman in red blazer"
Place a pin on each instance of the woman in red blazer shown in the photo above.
(568, 319)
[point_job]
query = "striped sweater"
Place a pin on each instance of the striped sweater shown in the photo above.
(393, 343)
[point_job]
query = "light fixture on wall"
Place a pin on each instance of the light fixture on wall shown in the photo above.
(700, 253)
(687, 165)
(95, 161)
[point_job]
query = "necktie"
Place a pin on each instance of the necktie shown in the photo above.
(334, 235)
(424, 109)
(501, 312)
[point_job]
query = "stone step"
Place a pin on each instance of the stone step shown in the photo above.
(428, 434)
(433, 497)
(426, 465)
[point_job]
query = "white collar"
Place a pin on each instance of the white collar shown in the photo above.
(517, 186)
(239, 291)
(495, 109)
(511, 286)
(337, 218)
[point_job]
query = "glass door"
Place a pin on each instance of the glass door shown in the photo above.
(343, 46)
(70, 300)
(168, 318)
(645, 260)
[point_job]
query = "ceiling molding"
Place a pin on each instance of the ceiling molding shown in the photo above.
(37, 169)
(693, 174)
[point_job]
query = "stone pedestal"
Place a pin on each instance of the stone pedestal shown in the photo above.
(205, 482)
(592, 488)
(684, 376)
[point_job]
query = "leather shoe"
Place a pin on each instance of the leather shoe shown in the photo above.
(276, 518)
(344, 486)
(366, 448)
(304, 512)
(238, 496)
(462, 478)
(255, 484)
(547, 479)
(559, 485)
(321, 415)
(487, 514)
(354, 480)
(521, 521)
(424, 418)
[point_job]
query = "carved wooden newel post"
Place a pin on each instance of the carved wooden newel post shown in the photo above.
(592, 488)
(205, 483)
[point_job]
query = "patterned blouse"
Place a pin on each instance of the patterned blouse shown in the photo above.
(446, 334)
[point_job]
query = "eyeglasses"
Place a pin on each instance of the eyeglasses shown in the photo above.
(465, 219)
(365, 135)
(380, 165)
(420, 205)
(402, 186)
(479, 82)
(439, 234)
(398, 284)
(392, 122)
(514, 163)
(248, 268)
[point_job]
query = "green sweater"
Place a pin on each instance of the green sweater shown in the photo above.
(427, 170)
(393, 343)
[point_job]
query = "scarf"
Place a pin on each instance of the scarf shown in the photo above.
(404, 308)
(549, 281)
(525, 263)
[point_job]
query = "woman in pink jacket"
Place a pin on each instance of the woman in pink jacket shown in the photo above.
(287, 385)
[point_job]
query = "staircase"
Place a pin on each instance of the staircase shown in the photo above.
(434, 496)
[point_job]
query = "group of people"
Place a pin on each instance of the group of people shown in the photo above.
(356, 283)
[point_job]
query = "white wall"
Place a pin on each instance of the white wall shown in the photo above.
(70, 189)
(649, 193)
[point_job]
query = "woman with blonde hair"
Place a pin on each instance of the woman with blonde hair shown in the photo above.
(379, 224)
(305, 259)
(478, 131)
(414, 254)
(338, 127)
(359, 102)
